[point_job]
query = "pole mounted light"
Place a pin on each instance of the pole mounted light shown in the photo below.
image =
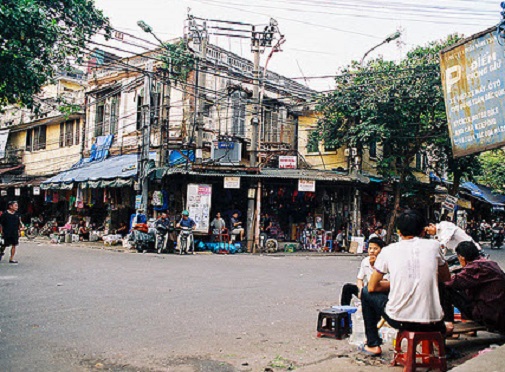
(387, 40)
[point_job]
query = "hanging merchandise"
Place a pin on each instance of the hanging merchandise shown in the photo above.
(79, 197)
(164, 199)
(56, 197)
(157, 198)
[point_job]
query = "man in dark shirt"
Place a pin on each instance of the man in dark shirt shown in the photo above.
(236, 225)
(10, 223)
(478, 291)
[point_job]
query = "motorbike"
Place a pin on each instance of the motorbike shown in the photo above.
(163, 237)
(142, 241)
(497, 239)
(186, 238)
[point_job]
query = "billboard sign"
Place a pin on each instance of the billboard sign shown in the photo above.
(287, 162)
(473, 79)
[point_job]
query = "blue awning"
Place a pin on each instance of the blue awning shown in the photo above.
(484, 193)
(116, 171)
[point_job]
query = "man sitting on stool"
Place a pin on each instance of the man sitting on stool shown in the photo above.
(236, 226)
(478, 291)
(413, 301)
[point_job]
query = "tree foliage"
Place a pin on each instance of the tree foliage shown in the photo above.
(397, 104)
(493, 170)
(178, 60)
(36, 38)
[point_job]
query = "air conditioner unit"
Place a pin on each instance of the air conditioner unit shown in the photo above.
(226, 153)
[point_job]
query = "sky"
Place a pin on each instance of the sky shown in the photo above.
(322, 36)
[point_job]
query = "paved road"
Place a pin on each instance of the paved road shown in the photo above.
(65, 308)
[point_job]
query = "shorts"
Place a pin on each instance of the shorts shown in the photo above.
(237, 231)
(11, 240)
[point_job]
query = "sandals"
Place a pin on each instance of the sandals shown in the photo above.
(362, 350)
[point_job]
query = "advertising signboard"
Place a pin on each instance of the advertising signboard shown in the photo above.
(287, 162)
(198, 202)
(232, 182)
(307, 185)
(473, 80)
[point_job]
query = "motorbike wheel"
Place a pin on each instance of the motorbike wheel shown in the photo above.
(32, 233)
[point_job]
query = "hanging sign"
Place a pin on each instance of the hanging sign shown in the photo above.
(307, 185)
(138, 201)
(3, 193)
(36, 190)
(198, 205)
(17, 191)
(287, 162)
(232, 182)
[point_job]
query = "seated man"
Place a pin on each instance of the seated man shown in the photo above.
(478, 291)
(236, 226)
(83, 231)
(375, 246)
(122, 230)
(415, 266)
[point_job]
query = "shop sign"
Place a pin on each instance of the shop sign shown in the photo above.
(467, 204)
(36, 191)
(226, 145)
(138, 201)
(439, 198)
(287, 162)
(198, 204)
(307, 185)
(17, 191)
(232, 182)
(3, 193)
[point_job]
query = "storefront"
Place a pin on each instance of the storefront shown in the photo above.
(100, 193)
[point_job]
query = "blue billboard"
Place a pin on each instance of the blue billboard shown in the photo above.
(473, 79)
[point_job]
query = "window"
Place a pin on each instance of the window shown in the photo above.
(238, 112)
(114, 108)
(67, 133)
(36, 138)
(99, 119)
(372, 149)
(77, 132)
(270, 127)
(329, 147)
(312, 143)
(139, 112)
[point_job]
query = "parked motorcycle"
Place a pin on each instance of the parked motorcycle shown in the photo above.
(186, 239)
(38, 228)
(142, 241)
(497, 238)
(163, 238)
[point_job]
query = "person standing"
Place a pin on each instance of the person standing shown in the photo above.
(10, 224)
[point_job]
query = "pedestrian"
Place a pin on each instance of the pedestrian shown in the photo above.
(10, 225)
(449, 235)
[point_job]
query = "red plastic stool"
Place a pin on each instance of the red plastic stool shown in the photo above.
(409, 359)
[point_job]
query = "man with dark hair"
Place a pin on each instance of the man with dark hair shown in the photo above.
(10, 224)
(375, 246)
(414, 266)
(478, 291)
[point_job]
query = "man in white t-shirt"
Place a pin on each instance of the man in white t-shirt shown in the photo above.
(449, 235)
(415, 267)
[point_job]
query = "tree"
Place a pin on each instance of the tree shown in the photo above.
(398, 104)
(36, 38)
(493, 169)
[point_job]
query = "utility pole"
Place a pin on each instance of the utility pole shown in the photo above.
(198, 33)
(146, 136)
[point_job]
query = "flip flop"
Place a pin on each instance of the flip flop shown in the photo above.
(362, 350)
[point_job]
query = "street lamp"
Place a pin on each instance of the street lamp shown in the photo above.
(388, 39)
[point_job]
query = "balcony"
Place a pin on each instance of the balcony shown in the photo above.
(13, 156)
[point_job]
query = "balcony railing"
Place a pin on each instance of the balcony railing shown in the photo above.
(12, 156)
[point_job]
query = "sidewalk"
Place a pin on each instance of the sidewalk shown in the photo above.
(119, 248)
(493, 361)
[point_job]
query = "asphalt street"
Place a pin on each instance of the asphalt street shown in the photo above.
(66, 308)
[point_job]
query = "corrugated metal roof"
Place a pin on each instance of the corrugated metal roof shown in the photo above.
(307, 174)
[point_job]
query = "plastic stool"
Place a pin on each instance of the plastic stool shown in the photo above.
(333, 323)
(408, 359)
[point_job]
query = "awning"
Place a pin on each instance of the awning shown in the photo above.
(306, 174)
(5, 170)
(484, 193)
(116, 171)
